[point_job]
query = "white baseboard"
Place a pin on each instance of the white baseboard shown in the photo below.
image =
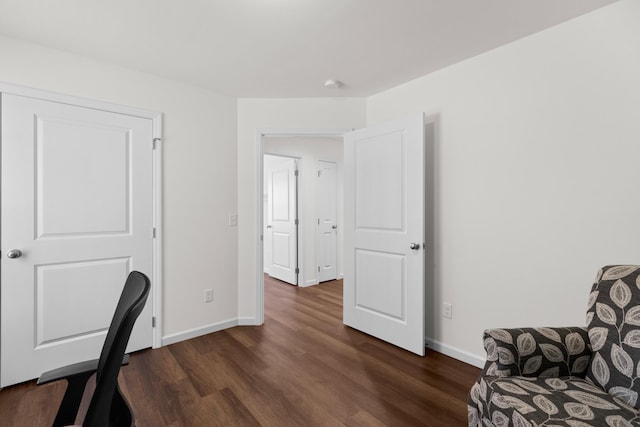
(311, 282)
(248, 321)
(196, 332)
(463, 356)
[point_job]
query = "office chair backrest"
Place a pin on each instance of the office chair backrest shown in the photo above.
(130, 305)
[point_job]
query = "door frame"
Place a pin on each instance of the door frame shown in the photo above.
(156, 123)
(261, 134)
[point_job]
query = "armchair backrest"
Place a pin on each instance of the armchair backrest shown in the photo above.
(613, 324)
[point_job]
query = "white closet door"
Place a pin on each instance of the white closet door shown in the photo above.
(77, 204)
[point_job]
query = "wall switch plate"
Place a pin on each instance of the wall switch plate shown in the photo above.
(233, 220)
(447, 310)
(208, 295)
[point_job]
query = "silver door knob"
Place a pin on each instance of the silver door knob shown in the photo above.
(334, 226)
(14, 253)
(415, 246)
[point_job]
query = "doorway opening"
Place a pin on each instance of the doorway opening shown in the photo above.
(310, 148)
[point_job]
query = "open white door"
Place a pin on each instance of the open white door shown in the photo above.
(327, 221)
(283, 219)
(384, 232)
(77, 217)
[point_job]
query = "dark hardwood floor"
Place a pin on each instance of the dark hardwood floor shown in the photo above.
(303, 367)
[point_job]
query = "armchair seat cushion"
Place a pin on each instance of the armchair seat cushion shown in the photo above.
(528, 401)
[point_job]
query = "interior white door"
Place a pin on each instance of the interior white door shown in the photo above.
(77, 203)
(384, 232)
(283, 219)
(327, 221)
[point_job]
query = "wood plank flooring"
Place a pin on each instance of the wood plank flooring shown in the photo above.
(303, 367)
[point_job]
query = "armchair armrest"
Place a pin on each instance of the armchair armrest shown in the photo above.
(537, 352)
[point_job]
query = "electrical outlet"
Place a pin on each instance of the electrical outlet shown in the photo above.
(233, 220)
(447, 310)
(208, 295)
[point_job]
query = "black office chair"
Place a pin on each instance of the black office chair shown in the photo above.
(107, 406)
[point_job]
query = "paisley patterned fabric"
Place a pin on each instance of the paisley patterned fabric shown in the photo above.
(524, 401)
(537, 352)
(567, 376)
(613, 321)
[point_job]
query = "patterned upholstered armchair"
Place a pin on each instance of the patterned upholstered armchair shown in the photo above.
(567, 376)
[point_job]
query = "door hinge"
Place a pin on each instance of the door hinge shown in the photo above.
(296, 221)
(319, 173)
(318, 269)
(154, 232)
(155, 142)
(297, 270)
(295, 172)
(153, 322)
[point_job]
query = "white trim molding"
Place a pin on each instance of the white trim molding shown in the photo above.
(311, 282)
(461, 355)
(157, 226)
(248, 321)
(197, 332)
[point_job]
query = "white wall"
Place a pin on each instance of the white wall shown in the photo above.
(536, 174)
(310, 150)
(281, 114)
(199, 172)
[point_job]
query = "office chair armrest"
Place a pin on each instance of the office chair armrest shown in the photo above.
(77, 376)
(86, 368)
(67, 372)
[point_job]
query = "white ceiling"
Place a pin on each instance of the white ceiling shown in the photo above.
(283, 48)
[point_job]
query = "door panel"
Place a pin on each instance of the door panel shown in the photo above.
(380, 185)
(282, 202)
(281, 250)
(77, 201)
(327, 221)
(86, 281)
(99, 201)
(380, 285)
(384, 218)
